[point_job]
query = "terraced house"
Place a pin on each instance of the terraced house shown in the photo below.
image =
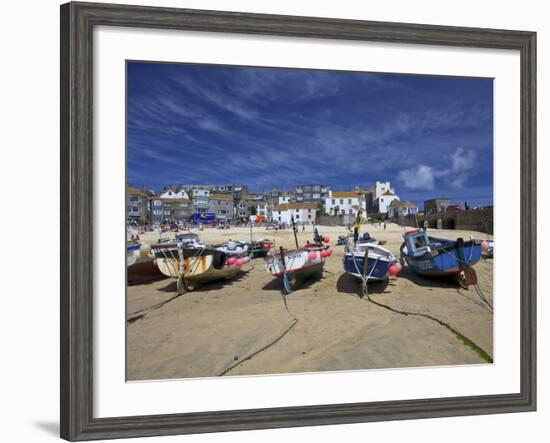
(309, 193)
(222, 205)
(137, 205)
(303, 212)
(345, 203)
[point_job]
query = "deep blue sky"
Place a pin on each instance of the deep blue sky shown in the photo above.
(268, 127)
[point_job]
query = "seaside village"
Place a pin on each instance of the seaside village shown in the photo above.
(234, 204)
(426, 277)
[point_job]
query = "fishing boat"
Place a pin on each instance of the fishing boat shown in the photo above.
(296, 265)
(487, 247)
(260, 248)
(234, 248)
(132, 252)
(192, 263)
(441, 257)
(369, 261)
(342, 240)
(140, 263)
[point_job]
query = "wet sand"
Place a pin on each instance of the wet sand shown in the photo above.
(407, 322)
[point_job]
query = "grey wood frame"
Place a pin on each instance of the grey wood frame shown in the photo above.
(77, 24)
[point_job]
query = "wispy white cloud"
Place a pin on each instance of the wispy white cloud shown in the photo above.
(422, 177)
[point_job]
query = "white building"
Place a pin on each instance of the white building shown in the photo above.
(284, 199)
(303, 212)
(338, 203)
(172, 193)
(374, 192)
(401, 209)
(264, 209)
(383, 202)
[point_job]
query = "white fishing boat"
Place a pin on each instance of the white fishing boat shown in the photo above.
(295, 265)
(192, 265)
(234, 248)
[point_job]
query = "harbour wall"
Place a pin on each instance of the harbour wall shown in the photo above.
(480, 220)
(335, 220)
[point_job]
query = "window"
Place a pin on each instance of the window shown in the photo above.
(297, 216)
(351, 211)
(349, 201)
(309, 210)
(279, 218)
(333, 201)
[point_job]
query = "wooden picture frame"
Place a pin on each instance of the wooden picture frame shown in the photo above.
(77, 216)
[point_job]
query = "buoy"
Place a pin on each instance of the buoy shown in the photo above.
(231, 260)
(394, 269)
(246, 259)
(326, 239)
(239, 262)
(324, 253)
(329, 251)
(312, 255)
(484, 245)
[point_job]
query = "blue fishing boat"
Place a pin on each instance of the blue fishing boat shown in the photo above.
(378, 260)
(435, 256)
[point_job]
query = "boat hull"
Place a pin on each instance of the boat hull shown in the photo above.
(200, 265)
(298, 265)
(143, 271)
(449, 260)
(296, 260)
(377, 269)
(198, 269)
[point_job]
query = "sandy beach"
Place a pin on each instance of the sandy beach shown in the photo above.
(219, 328)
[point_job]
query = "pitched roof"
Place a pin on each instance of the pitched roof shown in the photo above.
(221, 196)
(175, 200)
(351, 194)
(388, 192)
(297, 205)
(134, 191)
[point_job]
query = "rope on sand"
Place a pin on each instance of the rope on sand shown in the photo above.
(467, 341)
(267, 346)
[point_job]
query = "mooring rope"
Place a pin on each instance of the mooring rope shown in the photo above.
(268, 345)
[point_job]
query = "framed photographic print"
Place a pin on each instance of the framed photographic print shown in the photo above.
(273, 221)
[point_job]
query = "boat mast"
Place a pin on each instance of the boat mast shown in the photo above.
(357, 227)
(294, 229)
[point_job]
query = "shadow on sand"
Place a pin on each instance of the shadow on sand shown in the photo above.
(277, 284)
(431, 282)
(349, 284)
(210, 286)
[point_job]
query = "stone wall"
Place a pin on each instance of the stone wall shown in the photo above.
(335, 220)
(480, 220)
